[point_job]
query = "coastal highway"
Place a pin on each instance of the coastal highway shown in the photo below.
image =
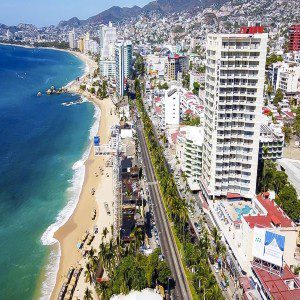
(167, 242)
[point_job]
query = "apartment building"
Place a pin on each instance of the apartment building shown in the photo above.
(294, 35)
(108, 37)
(123, 56)
(192, 155)
(174, 65)
(72, 39)
(285, 76)
(172, 107)
(107, 63)
(271, 142)
(234, 83)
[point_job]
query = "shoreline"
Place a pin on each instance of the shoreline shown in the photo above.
(48, 277)
(76, 214)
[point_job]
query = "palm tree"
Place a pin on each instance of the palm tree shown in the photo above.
(104, 232)
(215, 235)
(88, 274)
(87, 294)
(112, 229)
(104, 290)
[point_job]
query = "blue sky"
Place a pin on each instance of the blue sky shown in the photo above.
(47, 12)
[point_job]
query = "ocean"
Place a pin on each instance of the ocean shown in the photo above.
(43, 146)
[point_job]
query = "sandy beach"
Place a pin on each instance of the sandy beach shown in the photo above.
(72, 231)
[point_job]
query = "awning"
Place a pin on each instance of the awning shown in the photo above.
(233, 195)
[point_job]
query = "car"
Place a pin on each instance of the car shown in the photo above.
(216, 268)
(223, 285)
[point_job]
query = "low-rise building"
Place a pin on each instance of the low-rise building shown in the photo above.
(172, 107)
(174, 65)
(192, 155)
(271, 142)
(285, 76)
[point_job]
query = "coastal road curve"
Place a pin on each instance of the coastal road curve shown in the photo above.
(167, 241)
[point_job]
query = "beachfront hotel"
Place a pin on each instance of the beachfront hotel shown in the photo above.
(123, 57)
(235, 74)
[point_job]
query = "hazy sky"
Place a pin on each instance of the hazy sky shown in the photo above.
(47, 12)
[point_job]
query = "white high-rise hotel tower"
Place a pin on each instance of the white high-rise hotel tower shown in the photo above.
(235, 74)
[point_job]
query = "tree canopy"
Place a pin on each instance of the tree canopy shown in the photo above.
(273, 179)
(296, 125)
(278, 97)
(273, 58)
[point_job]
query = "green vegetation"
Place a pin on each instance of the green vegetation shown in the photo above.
(296, 125)
(191, 120)
(92, 90)
(287, 130)
(278, 97)
(102, 92)
(196, 88)
(201, 69)
(286, 194)
(186, 81)
(139, 64)
(273, 58)
(83, 87)
(202, 282)
(126, 267)
(163, 86)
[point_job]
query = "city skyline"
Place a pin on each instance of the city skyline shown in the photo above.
(48, 12)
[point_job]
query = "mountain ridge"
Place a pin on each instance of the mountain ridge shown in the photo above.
(116, 13)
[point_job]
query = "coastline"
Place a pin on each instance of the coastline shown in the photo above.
(48, 277)
(75, 218)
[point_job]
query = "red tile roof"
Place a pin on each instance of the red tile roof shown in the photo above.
(188, 112)
(276, 285)
(274, 215)
(289, 114)
(245, 283)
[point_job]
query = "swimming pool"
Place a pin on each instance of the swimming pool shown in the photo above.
(243, 211)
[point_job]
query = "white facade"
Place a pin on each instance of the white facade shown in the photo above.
(285, 76)
(235, 74)
(123, 56)
(72, 39)
(271, 142)
(172, 107)
(108, 37)
(108, 68)
(192, 154)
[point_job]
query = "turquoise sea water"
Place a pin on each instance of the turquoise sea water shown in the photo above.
(41, 166)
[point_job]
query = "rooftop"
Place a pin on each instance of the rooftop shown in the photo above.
(274, 217)
(284, 287)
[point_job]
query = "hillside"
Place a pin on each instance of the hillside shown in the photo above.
(116, 13)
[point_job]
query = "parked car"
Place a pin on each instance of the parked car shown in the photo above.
(223, 285)
(216, 268)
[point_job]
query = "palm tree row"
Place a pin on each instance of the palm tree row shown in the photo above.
(203, 281)
(126, 267)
